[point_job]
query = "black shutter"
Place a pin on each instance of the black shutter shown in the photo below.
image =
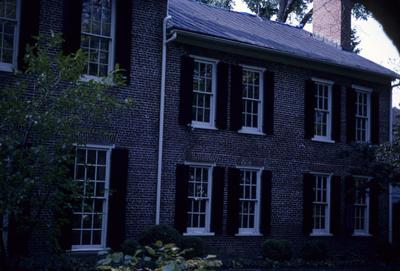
(336, 112)
(350, 194)
(373, 207)
(265, 210)
(396, 223)
(234, 178)
(217, 208)
(181, 197)
(18, 232)
(308, 184)
(123, 36)
(375, 118)
(268, 127)
(222, 96)
(350, 115)
(236, 97)
(64, 213)
(117, 204)
(336, 202)
(309, 109)
(29, 28)
(186, 90)
(72, 26)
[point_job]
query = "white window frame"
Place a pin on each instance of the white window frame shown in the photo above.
(259, 129)
(256, 230)
(103, 246)
(327, 230)
(9, 67)
(205, 231)
(364, 232)
(111, 53)
(368, 91)
(328, 137)
(213, 103)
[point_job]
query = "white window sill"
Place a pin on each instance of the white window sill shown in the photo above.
(321, 139)
(198, 234)
(362, 234)
(321, 234)
(206, 126)
(103, 80)
(250, 132)
(6, 67)
(88, 250)
(248, 234)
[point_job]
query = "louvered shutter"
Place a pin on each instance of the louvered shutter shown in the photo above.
(29, 28)
(349, 204)
(123, 38)
(236, 97)
(350, 115)
(268, 125)
(234, 178)
(336, 112)
(222, 95)
(72, 26)
(181, 197)
(186, 90)
(117, 198)
(265, 210)
(217, 201)
(309, 109)
(308, 183)
(336, 203)
(396, 223)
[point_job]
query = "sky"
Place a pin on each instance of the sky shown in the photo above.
(375, 45)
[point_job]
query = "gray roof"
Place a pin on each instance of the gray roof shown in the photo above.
(246, 28)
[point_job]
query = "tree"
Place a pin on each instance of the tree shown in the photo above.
(42, 113)
(218, 3)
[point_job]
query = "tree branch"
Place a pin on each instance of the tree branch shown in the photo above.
(306, 18)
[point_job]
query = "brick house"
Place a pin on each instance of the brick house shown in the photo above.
(244, 141)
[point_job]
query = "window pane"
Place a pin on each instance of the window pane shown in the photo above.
(251, 98)
(322, 111)
(198, 197)
(202, 92)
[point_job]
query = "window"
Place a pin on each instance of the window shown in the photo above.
(90, 217)
(249, 198)
(9, 32)
(199, 196)
(97, 36)
(323, 105)
(361, 206)
(204, 89)
(321, 204)
(363, 107)
(252, 99)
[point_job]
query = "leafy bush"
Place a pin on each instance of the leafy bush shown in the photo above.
(314, 251)
(158, 257)
(194, 245)
(163, 233)
(129, 247)
(277, 250)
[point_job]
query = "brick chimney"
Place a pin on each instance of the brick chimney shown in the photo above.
(332, 21)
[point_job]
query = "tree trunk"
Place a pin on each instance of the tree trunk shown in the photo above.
(282, 10)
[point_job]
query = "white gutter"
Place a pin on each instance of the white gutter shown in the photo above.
(162, 106)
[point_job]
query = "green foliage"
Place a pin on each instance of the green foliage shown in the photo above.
(314, 251)
(158, 257)
(129, 247)
(194, 245)
(277, 250)
(218, 3)
(163, 233)
(42, 113)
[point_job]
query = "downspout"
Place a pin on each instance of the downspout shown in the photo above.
(390, 186)
(162, 106)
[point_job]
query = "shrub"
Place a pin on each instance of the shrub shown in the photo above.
(156, 257)
(163, 233)
(195, 244)
(314, 251)
(129, 247)
(277, 250)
